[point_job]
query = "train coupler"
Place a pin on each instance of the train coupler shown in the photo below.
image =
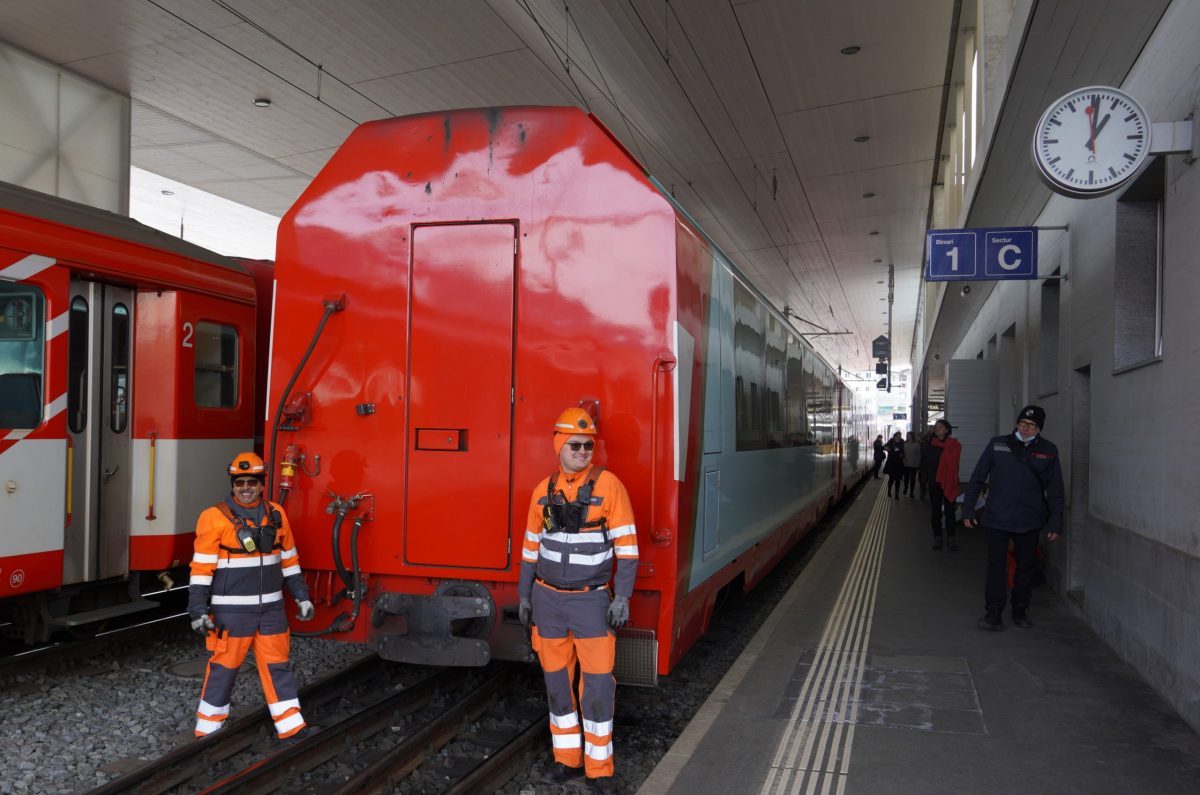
(430, 624)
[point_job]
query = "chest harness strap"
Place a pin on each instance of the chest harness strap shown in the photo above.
(260, 540)
(560, 516)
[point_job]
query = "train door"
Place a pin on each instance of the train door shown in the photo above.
(99, 363)
(460, 387)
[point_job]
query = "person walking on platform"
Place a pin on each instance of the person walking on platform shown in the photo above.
(939, 460)
(244, 555)
(1025, 493)
(912, 461)
(879, 455)
(894, 468)
(580, 520)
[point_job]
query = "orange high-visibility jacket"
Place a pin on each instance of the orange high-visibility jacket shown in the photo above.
(585, 558)
(228, 578)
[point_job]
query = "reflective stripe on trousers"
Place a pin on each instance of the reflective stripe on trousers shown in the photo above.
(572, 627)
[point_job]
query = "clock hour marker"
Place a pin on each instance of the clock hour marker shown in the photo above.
(1090, 177)
(1137, 137)
(1070, 173)
(1071, 105)
(1054, 160)
(1050, 141)
(1129, 157)
(1130, 117)
(1112, 171)
(1115, 103)
(1055, 121)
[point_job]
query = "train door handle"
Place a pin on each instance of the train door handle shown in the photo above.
(108, 473)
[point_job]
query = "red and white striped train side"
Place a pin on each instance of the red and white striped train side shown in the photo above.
(127, 382)
(498, 265)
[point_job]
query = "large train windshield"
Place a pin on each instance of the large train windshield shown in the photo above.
(22, 355)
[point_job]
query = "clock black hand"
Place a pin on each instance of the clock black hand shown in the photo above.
(1103, 122)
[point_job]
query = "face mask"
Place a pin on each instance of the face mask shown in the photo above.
(1026, 439)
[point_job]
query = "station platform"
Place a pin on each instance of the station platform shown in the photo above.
(872, 677)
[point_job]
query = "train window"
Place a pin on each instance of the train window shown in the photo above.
(798, 432)
(118, 414)
(78, 345)
(748, 363)
(216, 385)
(22, 355)
(776, 366)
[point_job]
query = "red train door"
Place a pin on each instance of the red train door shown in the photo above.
(460, 387)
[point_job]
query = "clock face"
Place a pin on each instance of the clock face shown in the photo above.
(1089, 142)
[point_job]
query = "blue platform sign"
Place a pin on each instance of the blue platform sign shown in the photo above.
(979, 255)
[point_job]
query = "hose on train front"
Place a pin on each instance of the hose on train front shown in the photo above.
(331, 305)
(346, 621)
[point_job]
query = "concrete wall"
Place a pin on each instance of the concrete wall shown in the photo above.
(1132, 559)
(61, 134)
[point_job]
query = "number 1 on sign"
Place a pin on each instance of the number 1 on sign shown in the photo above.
(953, 254)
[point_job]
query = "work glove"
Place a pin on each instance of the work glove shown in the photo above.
(203, 625)
(306, 610)
(525, 611)
(618, 611)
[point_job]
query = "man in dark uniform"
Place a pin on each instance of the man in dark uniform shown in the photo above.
(1025, 494)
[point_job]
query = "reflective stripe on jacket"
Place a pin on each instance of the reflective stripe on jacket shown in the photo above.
(574, 560)
(236, 580)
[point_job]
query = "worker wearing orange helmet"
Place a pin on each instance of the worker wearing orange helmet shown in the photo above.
(580, 522)
(244, 555)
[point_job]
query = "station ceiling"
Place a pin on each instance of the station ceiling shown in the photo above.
(801, 134)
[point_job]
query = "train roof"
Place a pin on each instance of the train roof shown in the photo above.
(54, 209)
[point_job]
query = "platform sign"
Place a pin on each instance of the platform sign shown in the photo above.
(995, 254)
(881, 347)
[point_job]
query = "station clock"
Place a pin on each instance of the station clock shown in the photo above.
(1091, 141)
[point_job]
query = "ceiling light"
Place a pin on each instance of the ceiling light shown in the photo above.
(873, 233)
(262, 102)
(878, 260)
(853, 48)
(868, 195)
(167, 192)
(862, 139)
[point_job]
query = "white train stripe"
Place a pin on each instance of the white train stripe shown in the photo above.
(57, 325)
(18, 434)
(55, 407)
(26, 267)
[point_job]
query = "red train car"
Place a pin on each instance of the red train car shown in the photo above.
(474, 272)
(127, 378)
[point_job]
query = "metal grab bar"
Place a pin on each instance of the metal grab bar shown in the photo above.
(153, 454)
(664, 362)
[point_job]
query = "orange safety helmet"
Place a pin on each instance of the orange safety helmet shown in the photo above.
(573, 421)
(247, 464)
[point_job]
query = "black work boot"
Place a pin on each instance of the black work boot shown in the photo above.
(605, 785)
(991, 621)
(558, 773)
(937, 542)
(1020, 617)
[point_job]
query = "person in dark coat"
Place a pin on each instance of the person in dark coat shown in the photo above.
(894, 468)
(879, 455)
(1025, 493)
(939, 461)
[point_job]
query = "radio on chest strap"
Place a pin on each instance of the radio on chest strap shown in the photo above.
(569, 517)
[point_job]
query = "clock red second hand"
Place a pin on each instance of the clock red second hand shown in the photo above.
(1089, 110)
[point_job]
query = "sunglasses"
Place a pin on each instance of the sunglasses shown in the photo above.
(575, 446)
(242, 482)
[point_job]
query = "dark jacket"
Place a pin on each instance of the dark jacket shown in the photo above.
(1025, 485)
(895, 458)
(878, 449)
(930, 458)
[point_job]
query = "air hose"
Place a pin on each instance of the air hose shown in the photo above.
(332, 304)
(346, 621)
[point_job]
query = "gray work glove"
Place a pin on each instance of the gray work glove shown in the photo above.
(203, 625)
(306, 610)
(618, 611)
(525, 611)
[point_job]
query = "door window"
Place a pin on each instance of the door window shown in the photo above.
(77, 365)
(119, 371)
(216, 384)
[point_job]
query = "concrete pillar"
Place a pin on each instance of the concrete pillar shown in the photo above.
(62, 134)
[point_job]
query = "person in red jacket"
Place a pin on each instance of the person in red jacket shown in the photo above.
(940, 457)
(244, 556)
(580, 523)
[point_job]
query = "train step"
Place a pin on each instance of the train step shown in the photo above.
(101, 614)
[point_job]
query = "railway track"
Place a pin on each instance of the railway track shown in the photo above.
(461, 730)
(63, 655)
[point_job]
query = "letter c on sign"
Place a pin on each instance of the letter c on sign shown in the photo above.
(1003, 254)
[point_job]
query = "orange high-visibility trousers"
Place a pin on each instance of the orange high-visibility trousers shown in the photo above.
(571, 632)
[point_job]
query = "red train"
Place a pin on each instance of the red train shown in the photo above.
(470, 274)
(128, 366)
